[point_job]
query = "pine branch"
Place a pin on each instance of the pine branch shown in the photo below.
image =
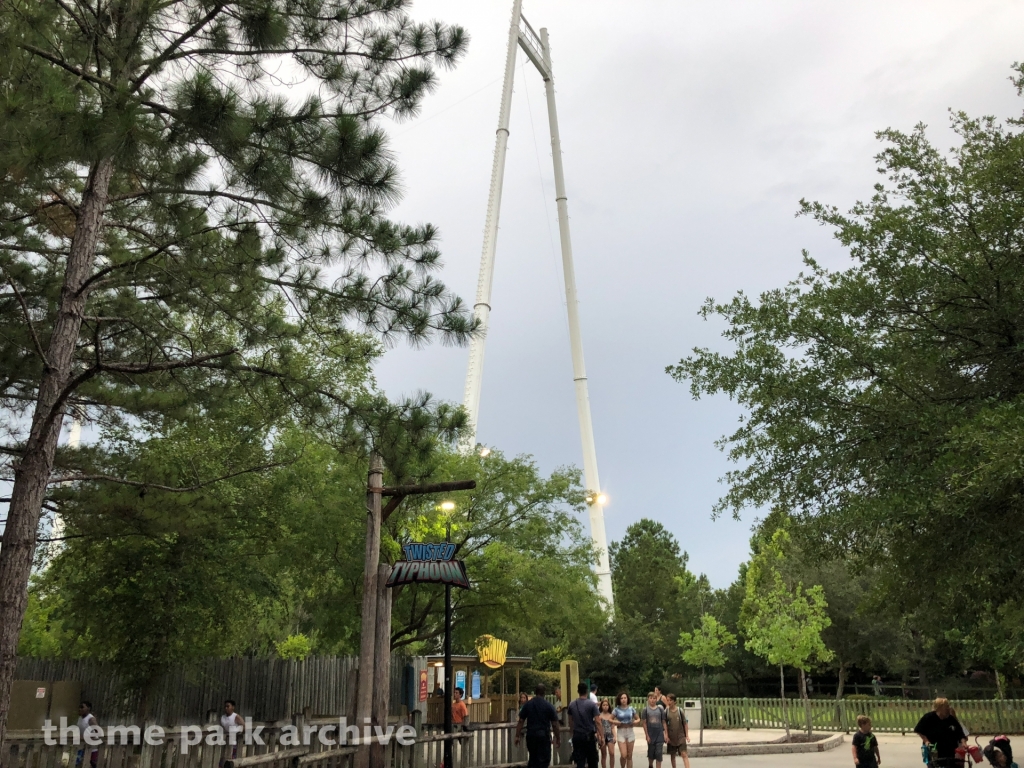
(28, 321)
(167, 488)
(81, 73)
(168, 53)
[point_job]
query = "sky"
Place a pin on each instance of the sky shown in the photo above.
(690, 131)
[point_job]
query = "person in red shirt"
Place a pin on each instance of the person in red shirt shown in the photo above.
(460, 712)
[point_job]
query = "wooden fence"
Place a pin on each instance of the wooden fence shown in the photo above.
(988, 716)
(487, 746)
(268, 690)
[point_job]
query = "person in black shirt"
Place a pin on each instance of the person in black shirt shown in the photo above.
(587, 731)
(941, 729)
(538, 716)
(865, 745)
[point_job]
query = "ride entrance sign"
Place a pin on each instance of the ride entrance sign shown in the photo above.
(436, 564)
(429, 564)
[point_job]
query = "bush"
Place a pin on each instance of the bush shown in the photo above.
(296, 647)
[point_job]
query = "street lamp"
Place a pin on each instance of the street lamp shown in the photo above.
(447, 506)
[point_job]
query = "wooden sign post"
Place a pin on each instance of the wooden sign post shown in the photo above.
(373, 687)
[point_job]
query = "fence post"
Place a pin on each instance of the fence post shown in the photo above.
(746, 712)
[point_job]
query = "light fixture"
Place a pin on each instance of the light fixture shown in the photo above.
(592, 498)
(602, 499)
(485, 452)
(447, 506)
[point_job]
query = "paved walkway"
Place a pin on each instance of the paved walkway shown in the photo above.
(897, 752)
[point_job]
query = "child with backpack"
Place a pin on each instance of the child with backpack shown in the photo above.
(999, 753)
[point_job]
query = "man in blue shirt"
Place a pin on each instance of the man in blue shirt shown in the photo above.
(538, 715)
(587, 732)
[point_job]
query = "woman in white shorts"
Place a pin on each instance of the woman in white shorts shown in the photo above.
(625, 719)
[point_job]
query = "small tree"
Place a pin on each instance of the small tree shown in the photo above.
(783, 624)
(705, 647)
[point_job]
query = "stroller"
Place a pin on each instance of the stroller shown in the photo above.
(999, 753)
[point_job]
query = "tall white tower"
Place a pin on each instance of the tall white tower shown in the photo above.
(537, 49)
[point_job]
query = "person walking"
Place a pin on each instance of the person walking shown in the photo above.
(677, 733)
(941, 733)
(659, 697)
(876, 685)
(604, 709)
(587, 730)
(653, 718)
(593, 694)
(86, 721)
(865, 745)
(232, 724)
(460, 712)
(626, 719)
(538, 715)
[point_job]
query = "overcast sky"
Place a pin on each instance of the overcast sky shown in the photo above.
(690, 131)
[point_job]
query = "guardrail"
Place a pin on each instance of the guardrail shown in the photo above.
(887, 715)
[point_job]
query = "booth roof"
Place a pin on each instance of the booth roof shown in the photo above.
(510, 661)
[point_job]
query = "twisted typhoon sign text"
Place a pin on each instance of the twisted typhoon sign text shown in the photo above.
(430, 564)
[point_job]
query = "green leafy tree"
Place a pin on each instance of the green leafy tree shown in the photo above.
(885, 401)
(656, 597)
(163, 206)
(295, 647)
(148, 577)
(645, 564)
(528, 559)
(783, 623)
(741, 663)
(862, 633)
(705, 647)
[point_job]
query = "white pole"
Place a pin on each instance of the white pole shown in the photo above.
(74, 442)
(482, 307)
(579, 370)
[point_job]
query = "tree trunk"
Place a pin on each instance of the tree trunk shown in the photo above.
(999, 685)
(782, 694)
(701, 707)
(381, 662)
(367, 631)
(806, 700)
(842, 680)
(32, 471)
(838, 717)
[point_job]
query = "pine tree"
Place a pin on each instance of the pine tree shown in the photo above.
(179, 178)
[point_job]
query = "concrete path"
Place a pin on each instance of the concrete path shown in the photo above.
(897, 752)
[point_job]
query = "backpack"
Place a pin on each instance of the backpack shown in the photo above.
(999, 744)
(682, 717)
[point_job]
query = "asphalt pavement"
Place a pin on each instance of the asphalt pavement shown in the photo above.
(897, 752)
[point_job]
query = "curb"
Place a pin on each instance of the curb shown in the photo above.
(766, 748)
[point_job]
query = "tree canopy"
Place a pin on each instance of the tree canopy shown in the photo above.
(176, 228)
(884, 400)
